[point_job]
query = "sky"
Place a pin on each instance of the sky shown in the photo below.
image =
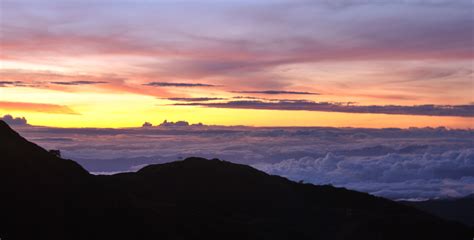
(410, 164)
(341, 63)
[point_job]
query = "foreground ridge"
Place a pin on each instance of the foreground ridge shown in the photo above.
(46, 197)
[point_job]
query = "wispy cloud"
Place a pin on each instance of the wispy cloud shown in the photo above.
(277, 92)
(66, 81)
(36, 107)
(10, 83)
(74, 83)
(178, 84)
(199, 99)
(17, 84)
(246, 98)
(427, 110)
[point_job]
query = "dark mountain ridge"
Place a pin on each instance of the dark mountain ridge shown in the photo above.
(46, 197)
(455, 209)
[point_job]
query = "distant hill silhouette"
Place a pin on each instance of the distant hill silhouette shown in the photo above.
(45, 197)
(456, 209)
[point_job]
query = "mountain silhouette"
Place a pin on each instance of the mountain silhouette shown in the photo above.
(43, 196)
(456, 209)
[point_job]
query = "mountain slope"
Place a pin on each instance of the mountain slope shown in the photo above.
(456, 209)
(45, 197)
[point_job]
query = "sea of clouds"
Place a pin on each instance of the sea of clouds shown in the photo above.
(416, 163)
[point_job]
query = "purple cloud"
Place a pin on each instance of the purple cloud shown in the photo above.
(199, 99)
(75, 83)
(277, 92)
(169, 84)
(304, 105)
(17, 84)
(10, 120)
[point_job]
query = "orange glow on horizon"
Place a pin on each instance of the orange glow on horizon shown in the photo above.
(58, 69)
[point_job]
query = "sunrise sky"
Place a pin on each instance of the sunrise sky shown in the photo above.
(335, 63)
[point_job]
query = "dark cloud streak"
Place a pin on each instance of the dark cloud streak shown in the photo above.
(169, 84)
(426, 110)
(16, 84)
(200, 99)
(277, 92)
(75, 83)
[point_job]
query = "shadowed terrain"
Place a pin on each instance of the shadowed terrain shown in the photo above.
(46, 197)
(456, 209)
